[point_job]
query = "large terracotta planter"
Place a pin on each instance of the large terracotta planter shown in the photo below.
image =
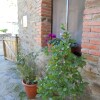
(31, 90)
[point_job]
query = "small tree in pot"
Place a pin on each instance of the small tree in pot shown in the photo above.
(28, 70)
(62, 75)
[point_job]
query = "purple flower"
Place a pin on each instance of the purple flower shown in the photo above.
(51, 35)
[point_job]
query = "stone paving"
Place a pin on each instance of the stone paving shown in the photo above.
(10, 83)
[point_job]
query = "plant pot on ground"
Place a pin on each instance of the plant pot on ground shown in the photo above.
(76, 49)
(63, 77)
(31, 90)
(28, 70)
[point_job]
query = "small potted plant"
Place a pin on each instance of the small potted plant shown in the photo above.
(62, 77)
(76, 49)
(51, 40)
(28, 71)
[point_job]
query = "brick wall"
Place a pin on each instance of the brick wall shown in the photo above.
(38, 14)
(91, 46)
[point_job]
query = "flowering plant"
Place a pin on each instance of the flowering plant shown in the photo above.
(62, 77)
(50, 37)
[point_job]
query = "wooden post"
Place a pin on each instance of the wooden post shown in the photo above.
(4, 49)
(16, 44)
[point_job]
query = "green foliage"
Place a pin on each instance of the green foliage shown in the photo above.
(27, 68)
(22, 95)
(63, 77)
(56, 41)
(4, 30)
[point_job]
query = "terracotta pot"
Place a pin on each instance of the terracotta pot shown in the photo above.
(31, 90)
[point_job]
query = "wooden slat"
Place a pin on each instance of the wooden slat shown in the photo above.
(4, 48)
(10, 46)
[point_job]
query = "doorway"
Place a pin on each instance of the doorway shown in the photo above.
(59, 15)
(70, 13)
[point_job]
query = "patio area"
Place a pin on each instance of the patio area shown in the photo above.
(10, 83)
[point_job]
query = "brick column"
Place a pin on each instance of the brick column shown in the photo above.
(91, 45)
(46, 19)
(44, 26)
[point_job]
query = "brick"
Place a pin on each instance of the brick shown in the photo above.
(91, 42)
(87, 17)
(38, 39)
(46, 9)
(91, 23)
(94, 35)
(85, 35)
(84, 45)
(91, 35)
(46, 14)
(94, 47)
(84, 50)
(94, 52)
(96, 17)
(92, 3)
(46, 2)
(85, 29)
(84, 40)
(90, 46)
(91, 58)
(95, 41)
(95, 30)
(92, 10)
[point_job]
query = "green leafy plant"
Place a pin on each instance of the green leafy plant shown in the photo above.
(62, 77)
(27, 67)
(4, 30)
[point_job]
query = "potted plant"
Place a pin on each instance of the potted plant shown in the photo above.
(51, 40)
(62, 77)
(28, 71)
(76, 49)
